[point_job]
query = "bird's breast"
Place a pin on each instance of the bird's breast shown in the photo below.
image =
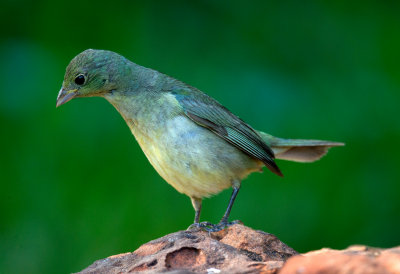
(193, 159)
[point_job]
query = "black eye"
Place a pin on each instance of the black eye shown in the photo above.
(80, 79)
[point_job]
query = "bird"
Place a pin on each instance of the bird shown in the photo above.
(195, 144)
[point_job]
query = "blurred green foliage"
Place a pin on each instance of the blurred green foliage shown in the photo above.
(75, 186)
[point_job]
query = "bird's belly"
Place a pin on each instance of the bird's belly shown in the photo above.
(192, 159)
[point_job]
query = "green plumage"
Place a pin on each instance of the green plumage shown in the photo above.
(208, 113)
(197, 145)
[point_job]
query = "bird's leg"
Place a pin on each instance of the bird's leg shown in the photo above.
(197, 208)
(196, 202)
(224, 220)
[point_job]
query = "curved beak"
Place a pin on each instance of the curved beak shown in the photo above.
(65, 95)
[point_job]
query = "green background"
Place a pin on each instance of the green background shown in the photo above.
(76, 187)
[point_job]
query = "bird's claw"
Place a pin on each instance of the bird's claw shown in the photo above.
(209, 227)
(222, 225)
(199, 226)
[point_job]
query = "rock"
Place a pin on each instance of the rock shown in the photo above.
(355, 260)
(236, 249)
(239, 249)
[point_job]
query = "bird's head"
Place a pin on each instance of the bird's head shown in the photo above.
(92, 73)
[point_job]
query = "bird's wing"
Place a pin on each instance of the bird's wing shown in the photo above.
(208, 113)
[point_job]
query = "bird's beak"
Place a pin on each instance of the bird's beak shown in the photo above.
(65, 95)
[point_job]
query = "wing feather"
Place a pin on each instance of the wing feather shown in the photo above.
(208, 113)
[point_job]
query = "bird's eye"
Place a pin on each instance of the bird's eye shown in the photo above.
(80, 79)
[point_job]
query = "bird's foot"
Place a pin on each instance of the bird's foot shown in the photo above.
(209, 227)
(222, 225)
(200, 226)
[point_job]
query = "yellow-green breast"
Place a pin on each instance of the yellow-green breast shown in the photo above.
(189, 157)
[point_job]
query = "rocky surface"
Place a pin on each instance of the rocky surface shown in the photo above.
(353, 260)
(239, 249)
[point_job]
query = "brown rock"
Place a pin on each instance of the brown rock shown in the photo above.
(355, 259)
(237, 249)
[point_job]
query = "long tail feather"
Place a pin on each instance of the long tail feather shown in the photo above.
(298, 150)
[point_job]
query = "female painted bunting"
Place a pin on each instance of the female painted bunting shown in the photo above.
(196, 144)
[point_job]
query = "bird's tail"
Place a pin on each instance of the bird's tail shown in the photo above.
(298, 150)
